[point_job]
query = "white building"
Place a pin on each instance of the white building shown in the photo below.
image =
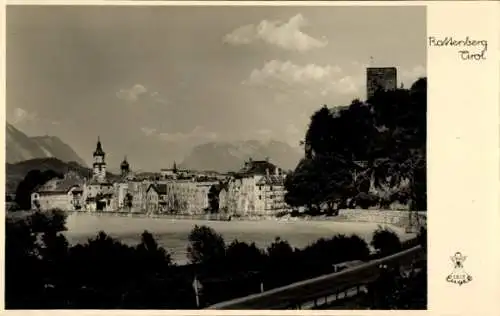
(65, 194)
(258, 189)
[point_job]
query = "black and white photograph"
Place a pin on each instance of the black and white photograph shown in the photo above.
(216, 157)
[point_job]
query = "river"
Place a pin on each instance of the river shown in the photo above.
(172, 234)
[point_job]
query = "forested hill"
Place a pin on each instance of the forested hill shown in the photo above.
(366, 147)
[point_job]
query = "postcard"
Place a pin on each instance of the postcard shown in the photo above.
(251, 158)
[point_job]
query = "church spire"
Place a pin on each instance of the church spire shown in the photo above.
(98, 150)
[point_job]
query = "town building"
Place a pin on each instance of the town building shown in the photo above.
(156, 198)
(65, 193)
(257, 189)
(185, 197)
(380, 78)
(169, 173)
(138, 191)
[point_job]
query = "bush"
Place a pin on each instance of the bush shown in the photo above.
(386, 241)
(340, 248)
(241, 256)
(205, 246)
(280, 251)
(365, 200)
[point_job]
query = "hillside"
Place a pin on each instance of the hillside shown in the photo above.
(20, 147)
(230, 156)
(17, 171)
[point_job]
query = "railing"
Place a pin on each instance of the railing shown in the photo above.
(308, 292)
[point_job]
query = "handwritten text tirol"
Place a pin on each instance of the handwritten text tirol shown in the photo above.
(469, 49)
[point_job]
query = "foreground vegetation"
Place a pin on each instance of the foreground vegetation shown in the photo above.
(44, 272)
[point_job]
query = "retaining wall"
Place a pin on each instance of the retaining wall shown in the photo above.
(397, 218)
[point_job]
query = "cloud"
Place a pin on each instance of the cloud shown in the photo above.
(132, 94)
(148, 131)
(139, 91)
(286, 79)
(311, 79)
(264, 132)
(19, 115)
(199, 133)
(286, 35)
(408, 77)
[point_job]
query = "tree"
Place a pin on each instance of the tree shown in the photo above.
(244, 257)
(34, 250)
(128, 200)
(323, 179)
(319, 137)
(205, 246)
(280, 251)
(31, 181)
(302, 187)
(152, 257)
(386, 241)
(387, 134)
(213, 198)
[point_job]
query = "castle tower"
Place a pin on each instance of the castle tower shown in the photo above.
(99, 163)
(125, 167)
(380, 78)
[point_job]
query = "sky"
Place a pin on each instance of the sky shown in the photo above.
(153, 82)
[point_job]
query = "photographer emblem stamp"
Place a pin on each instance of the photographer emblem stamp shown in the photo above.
(458, 275)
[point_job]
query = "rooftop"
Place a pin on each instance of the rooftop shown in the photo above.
(70, 180)
(271, 180)
(258, 167)
(160, 188)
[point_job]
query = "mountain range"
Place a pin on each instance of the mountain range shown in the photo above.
(20, 147)
(231, 156)
(24, 153)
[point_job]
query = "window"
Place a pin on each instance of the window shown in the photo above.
(260, 197)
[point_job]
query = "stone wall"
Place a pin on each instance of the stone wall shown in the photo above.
(404, 219)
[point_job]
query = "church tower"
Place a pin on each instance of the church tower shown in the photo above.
(125, 168)
(99, 163)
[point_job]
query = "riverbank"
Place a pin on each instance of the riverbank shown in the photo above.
(172, 233)
(356, 215)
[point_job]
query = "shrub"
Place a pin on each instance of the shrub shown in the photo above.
(386, 241)
(280, 251)
(340, 248)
